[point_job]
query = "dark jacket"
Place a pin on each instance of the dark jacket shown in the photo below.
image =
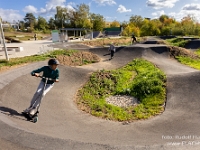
(48, 73)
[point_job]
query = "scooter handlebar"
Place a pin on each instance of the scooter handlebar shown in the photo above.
(46, 78)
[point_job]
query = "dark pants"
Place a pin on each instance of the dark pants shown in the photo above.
(112, 53)
(134, 39)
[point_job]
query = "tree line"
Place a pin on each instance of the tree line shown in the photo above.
(81, 17)
(162, 26)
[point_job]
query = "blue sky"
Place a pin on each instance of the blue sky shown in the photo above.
(119, 10)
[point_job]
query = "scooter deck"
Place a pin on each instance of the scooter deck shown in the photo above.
(27, 116)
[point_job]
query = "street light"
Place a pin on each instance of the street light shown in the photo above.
(3, 39)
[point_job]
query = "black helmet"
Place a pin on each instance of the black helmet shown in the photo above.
(53, 62)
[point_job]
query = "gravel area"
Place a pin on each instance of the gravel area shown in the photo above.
(122, 100)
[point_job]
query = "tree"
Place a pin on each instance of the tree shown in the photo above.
(21, 25)
(41, 24)
(130, 29)
(115, 23)
(51, 24)
(81, 16)
(188, 24)
(78, 17)
(30, 21)
(162, 18)
(61, 16)
(124, 24)
(150, 28)
(136, 20)
(177, 29)
(98, 22)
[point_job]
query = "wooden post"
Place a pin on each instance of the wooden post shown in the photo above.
(3, 40)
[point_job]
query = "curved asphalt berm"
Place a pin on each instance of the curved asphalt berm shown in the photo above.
(62, 126)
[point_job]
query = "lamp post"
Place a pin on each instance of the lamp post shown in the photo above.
(3, 40)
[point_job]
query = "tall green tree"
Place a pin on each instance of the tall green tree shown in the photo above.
(130, 29)
(150, 28)
(41, 24)
(98, 22)
(136, 20)
(21, 25)
(30, 21)
(61, 16)
(188, 23)
(115, 23)
(80, 17)
(162, 18)
(51, 24)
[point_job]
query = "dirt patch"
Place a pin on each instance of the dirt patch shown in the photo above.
(78, 59)
(161, 42)
(106, 41)
(178, 51)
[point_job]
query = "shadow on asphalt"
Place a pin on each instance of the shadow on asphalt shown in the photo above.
(11, 112)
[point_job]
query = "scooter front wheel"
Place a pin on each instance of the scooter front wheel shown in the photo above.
(35, 119)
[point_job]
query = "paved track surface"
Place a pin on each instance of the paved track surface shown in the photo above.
(62, 126)
(193, 44)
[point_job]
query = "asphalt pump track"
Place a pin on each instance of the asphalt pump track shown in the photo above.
(62, 126)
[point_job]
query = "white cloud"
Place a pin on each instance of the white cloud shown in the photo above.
(52, 4)
(158, 13)
(158, 4)
(10, 15)
(188, 9)
(30, 9)
(122, 9)
(191, 7)
(49, 8)
(105, 2)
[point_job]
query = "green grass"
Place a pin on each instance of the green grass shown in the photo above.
(139, 79)
(194, 63)
(35, 58)
(177, 42)
(197, 52)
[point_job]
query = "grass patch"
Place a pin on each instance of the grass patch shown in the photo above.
(35, 58)
(139, 79)
(177, 42)
(192, 62)
(197, 52)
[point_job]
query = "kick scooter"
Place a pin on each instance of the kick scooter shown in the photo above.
(32, 115)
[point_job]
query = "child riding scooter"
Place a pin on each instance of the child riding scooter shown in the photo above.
(49, 77)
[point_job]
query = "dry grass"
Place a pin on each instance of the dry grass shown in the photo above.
(178, 51)
(78, 59)
(106, 41)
